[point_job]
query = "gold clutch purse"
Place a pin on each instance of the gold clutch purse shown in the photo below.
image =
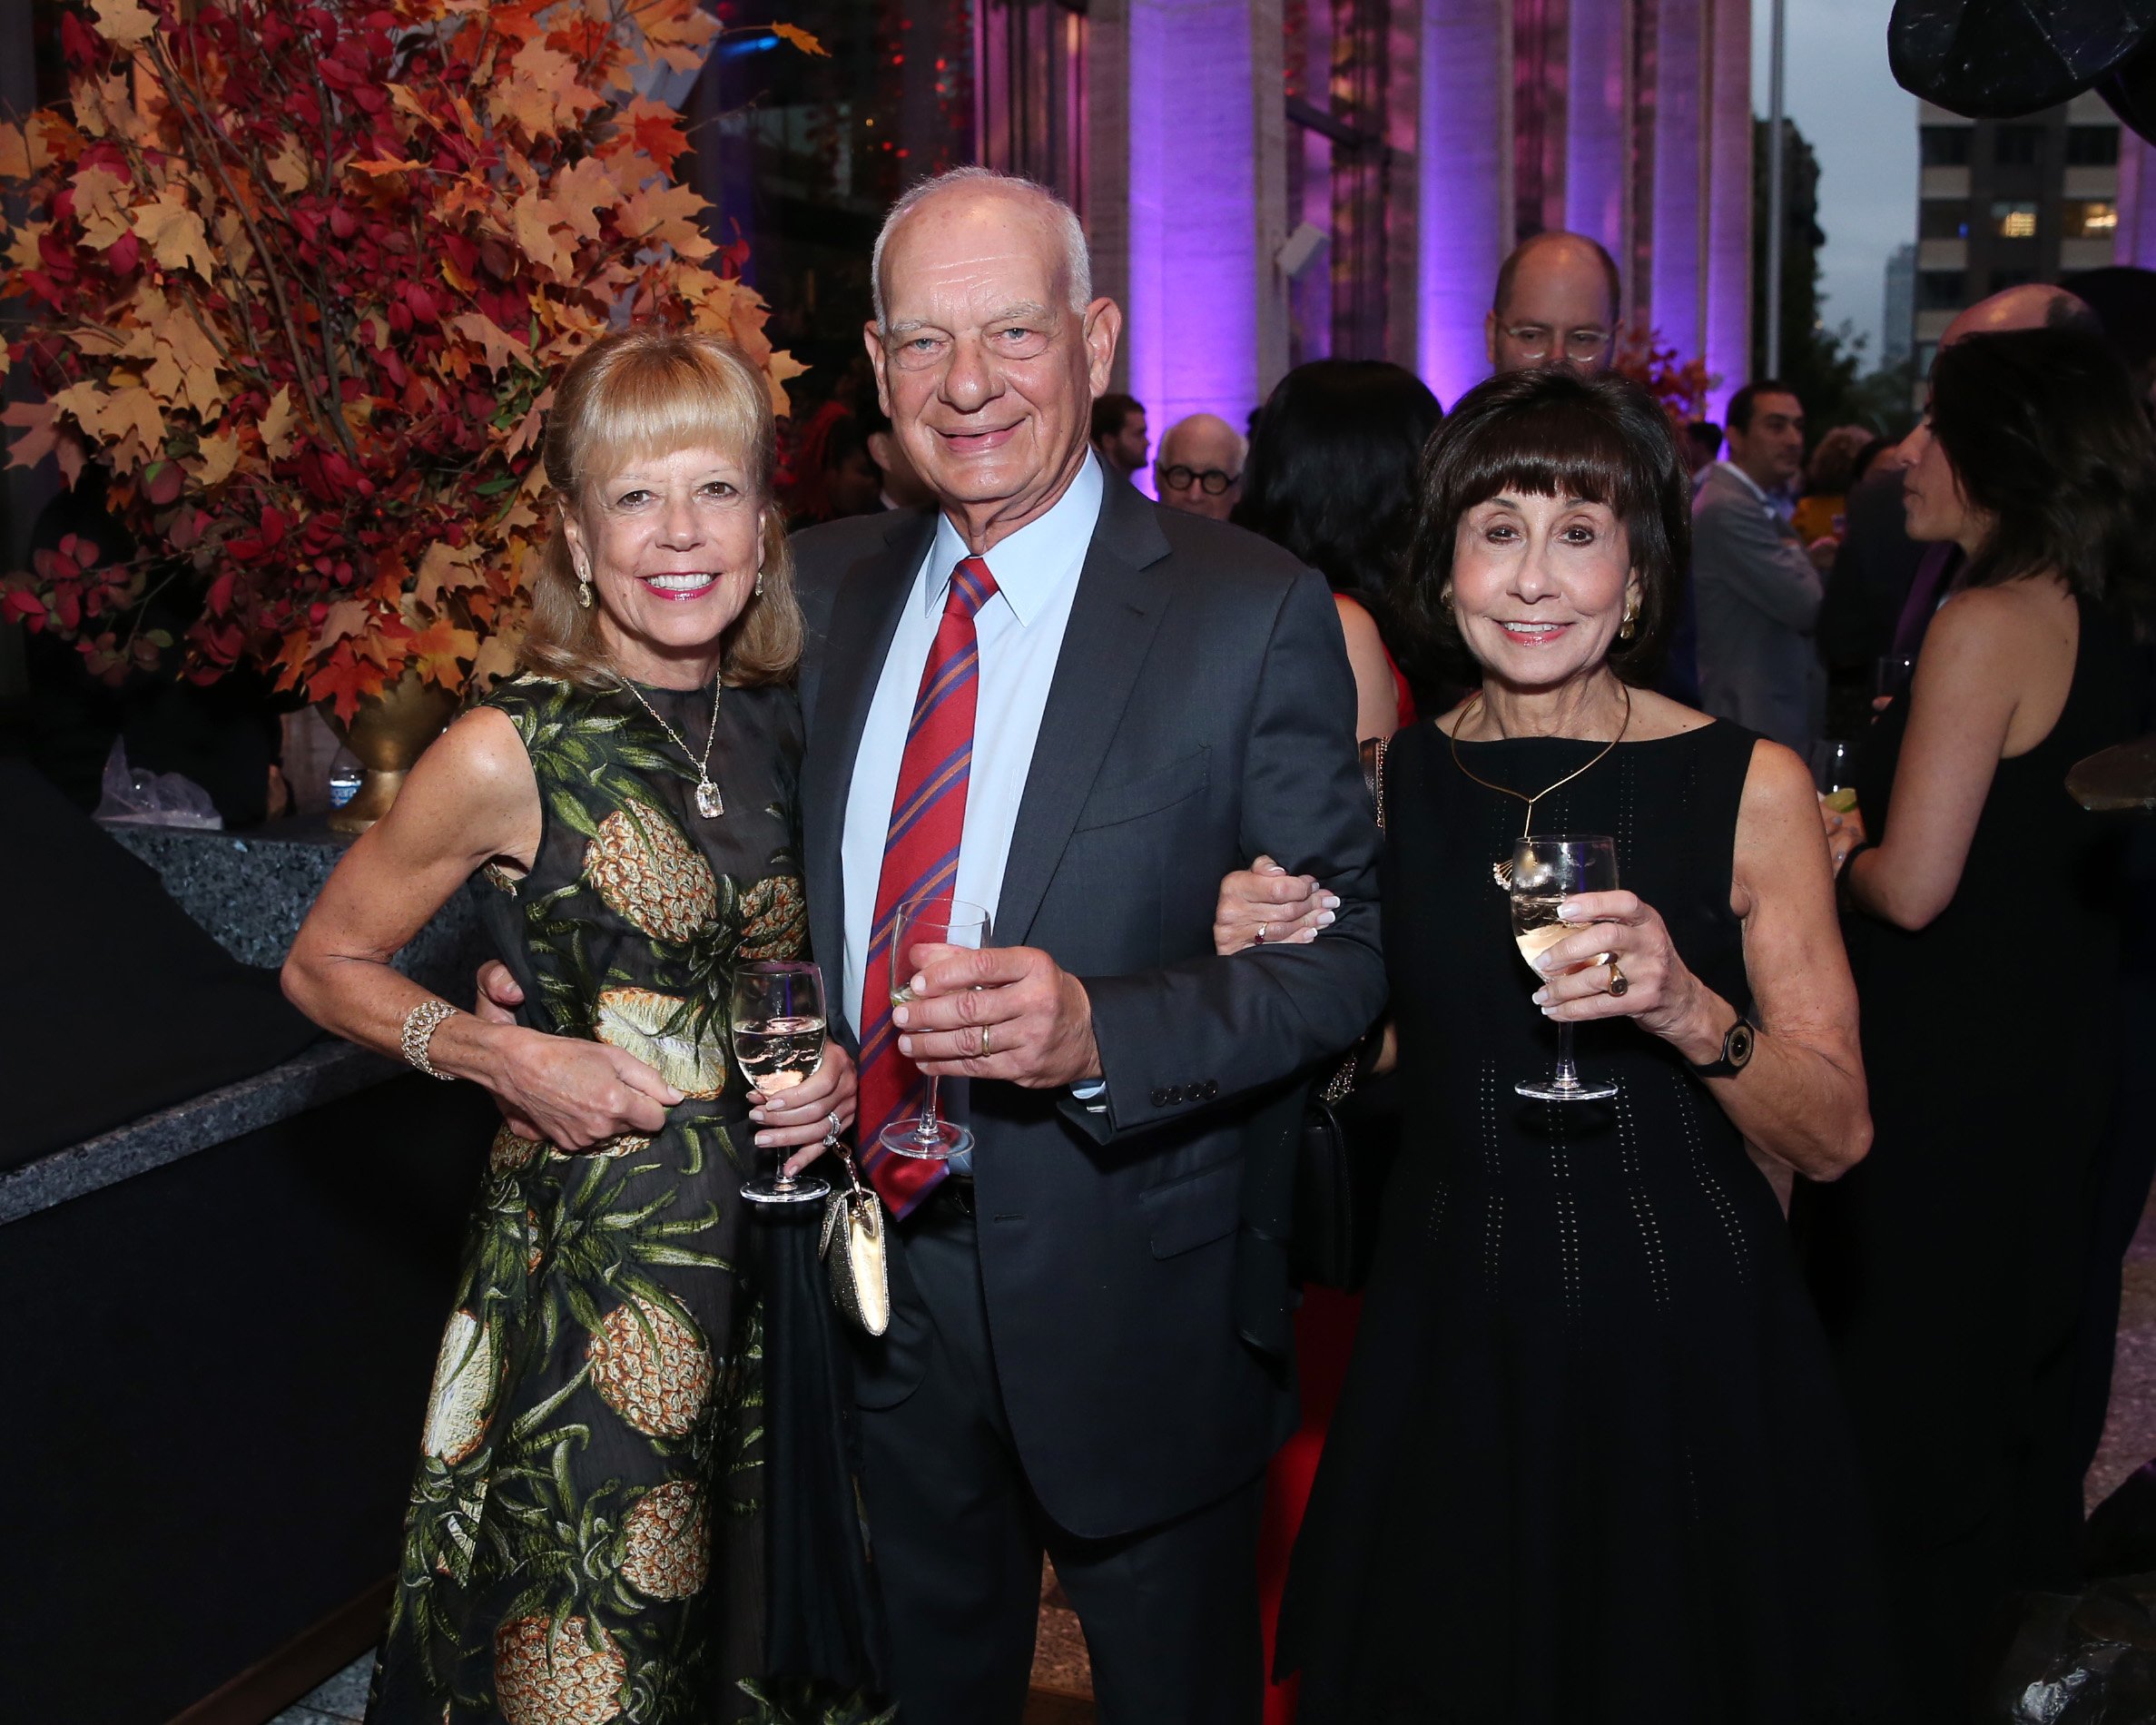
(853, 1252)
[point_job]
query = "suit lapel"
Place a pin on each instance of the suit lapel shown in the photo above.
(865, 615)
(1113, 620)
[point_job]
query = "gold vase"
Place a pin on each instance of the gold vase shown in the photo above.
(389, 732)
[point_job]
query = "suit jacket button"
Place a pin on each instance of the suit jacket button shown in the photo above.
(1159, 1097)
(1174, 1093)
(1212, 1089)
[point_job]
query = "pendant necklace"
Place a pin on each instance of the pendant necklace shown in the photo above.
(710, 804)
(1501, 869)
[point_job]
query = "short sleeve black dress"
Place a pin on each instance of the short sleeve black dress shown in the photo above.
(1590, 1464)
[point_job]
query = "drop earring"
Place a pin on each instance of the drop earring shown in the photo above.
(759, 584)
(583, 593)
(1629, 626)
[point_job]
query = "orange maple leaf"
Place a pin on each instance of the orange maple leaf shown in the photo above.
(344, 681)
(653, 128)
(500, 345)
(438, 647)
(667, 214)
(800, 39)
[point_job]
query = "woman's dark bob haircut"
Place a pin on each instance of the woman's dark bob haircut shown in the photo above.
(2045, 436)
(1332, 471)
(1548, 431)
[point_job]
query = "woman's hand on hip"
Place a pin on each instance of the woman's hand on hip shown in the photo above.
(574, 1094)
(1625, 966)
(1265, 905)
(820, 1106)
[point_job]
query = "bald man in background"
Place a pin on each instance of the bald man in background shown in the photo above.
(1199, 468)
(1557, 299)
(1557, 302)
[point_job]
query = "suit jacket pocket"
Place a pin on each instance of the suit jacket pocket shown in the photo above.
(1194, 1209)
(1111, 804)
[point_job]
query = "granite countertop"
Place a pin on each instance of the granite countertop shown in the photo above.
(321, 1074)
(251, 890)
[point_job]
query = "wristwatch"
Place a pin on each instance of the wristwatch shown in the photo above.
(1737, 1050)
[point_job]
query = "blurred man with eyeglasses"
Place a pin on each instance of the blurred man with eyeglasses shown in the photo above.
(1557, 299)
(1199, 468)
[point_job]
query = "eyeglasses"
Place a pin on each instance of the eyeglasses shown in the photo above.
(1211, 479)
(1533, 342)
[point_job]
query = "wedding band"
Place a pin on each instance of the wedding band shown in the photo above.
(1617, 983)
(1261, 935)
(831, 1131)
(984, 1041)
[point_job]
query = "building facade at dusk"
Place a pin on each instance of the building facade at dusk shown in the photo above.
(2035, 199)
(1266, 182)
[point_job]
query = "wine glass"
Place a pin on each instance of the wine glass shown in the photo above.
(928, 922)
(1834, 767)
(778, 1042)
(1545, 872)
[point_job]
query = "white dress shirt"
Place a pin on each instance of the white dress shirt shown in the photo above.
(1020, 633)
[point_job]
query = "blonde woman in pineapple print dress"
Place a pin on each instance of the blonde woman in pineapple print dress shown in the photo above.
(584, 1541)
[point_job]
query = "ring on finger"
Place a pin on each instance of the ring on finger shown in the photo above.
(1618, 982)
(1261, 935)
(830, 1128)
(985, 1049)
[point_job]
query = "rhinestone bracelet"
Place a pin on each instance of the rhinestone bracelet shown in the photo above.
(419, 1026)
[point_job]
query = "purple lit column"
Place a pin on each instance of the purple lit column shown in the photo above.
(1728, 320)
(1597, 143)
(1464, 185)
(1205, 325)
(1680, 159)
(2135, 243)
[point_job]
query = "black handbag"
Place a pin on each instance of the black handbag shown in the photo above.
(1345, 1147)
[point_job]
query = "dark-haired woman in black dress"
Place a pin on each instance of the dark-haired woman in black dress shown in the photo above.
(1590, 1465)
(1983, 935)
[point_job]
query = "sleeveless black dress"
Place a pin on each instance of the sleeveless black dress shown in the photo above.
(1590, 1464)
(1949, 1265)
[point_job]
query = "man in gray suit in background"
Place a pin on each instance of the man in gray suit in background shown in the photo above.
(1088, 1348)
(1758, 586)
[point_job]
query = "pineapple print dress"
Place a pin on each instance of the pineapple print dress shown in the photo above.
(583, 1540)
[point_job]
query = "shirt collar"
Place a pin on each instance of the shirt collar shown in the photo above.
(1749, 483)
(1033, 562)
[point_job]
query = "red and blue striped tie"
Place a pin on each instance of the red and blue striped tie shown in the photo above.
(920, 860)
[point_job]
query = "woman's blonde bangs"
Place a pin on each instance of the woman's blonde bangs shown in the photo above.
(634, 396)
(689, 393)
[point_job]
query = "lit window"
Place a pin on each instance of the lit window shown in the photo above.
(2090, 218)
(2014, 221)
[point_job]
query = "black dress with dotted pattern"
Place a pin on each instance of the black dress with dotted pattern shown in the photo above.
(1592, 1463)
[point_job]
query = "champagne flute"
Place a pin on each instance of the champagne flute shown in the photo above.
(918, 922)
(1545, 872)
(778, 1043)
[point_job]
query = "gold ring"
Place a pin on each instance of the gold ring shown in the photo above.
(984, 1042)
(1261, 935)
(1617, 981)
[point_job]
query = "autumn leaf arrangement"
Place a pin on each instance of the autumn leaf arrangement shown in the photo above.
(1680, 385)
(302, 271)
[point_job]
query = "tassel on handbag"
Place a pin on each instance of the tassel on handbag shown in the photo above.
(859, 1266)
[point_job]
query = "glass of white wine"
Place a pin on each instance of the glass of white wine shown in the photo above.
(778, 1042)
(931, 922)
(1546, 871)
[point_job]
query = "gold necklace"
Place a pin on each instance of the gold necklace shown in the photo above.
(710, 804)
(1501, 871)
